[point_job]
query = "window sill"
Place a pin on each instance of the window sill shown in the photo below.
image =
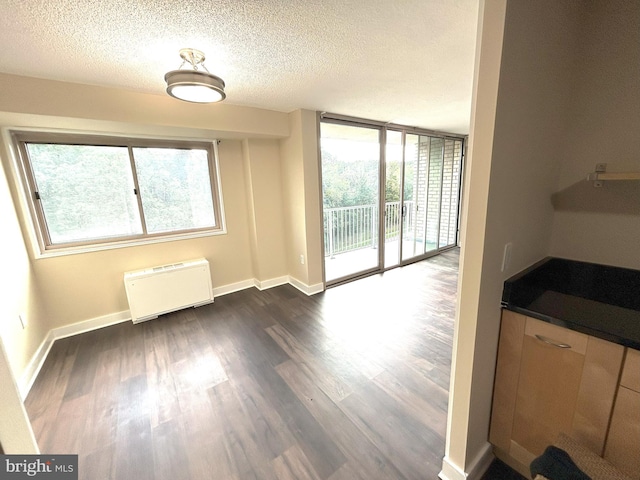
(75, 250)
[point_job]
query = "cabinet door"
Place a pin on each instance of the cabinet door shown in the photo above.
(602, 364)
(623, 442)
(550, 380)
(550, 375)
(631, 373)
(506, 381)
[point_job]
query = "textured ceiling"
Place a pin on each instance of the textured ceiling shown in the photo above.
(401, 61)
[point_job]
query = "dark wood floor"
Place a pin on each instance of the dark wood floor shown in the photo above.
(348, 384)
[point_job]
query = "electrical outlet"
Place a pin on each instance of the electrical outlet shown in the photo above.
(506, 256)
(301, 259)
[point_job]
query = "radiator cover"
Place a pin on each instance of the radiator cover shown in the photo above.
(167, 288)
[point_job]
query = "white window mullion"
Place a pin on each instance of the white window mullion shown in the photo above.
(136, 190)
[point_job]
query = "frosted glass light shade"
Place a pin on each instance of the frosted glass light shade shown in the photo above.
(193, 86)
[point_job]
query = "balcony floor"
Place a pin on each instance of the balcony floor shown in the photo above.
(355, 261)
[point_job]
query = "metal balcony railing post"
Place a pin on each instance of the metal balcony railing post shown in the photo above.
(373, 226)
(331, 234)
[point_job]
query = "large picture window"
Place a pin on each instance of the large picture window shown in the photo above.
(93, 190)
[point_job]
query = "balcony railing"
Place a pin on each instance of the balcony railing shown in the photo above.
(352, 228)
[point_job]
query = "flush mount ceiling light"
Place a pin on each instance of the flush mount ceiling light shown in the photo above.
(194, 85)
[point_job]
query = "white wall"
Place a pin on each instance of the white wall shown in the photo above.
(19, 296)
(60, 100)
(521, 87)
(301, 197)
(20, 288)
(604, 127)
(458, 462)
(265, 210)
(16, 436)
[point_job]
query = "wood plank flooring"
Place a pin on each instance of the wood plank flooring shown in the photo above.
(348, 384)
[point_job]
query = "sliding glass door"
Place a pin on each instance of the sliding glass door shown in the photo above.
(450, 194)
(350, 158)
(394, 210)
(431, 195)
(386, 183)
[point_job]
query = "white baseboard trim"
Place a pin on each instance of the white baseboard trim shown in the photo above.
(232, 287)
(306, 289)
(91, 324)
(480, 464)
(450, 471)
(25, 382)
(33, 368)
(477, 467)
(273, 282)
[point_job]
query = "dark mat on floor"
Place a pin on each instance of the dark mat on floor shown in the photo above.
(500, 471)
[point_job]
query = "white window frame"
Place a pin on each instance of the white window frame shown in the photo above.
(42, 248)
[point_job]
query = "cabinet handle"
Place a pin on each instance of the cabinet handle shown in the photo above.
(551, 342)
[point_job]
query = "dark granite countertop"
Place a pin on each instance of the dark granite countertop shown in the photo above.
(598, 300)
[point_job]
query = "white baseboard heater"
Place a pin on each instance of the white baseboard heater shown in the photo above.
(167, 288)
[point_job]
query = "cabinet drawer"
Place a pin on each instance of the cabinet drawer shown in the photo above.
(555, 336)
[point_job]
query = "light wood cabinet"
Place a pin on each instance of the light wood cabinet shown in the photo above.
(623, 442)
(550, 380)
